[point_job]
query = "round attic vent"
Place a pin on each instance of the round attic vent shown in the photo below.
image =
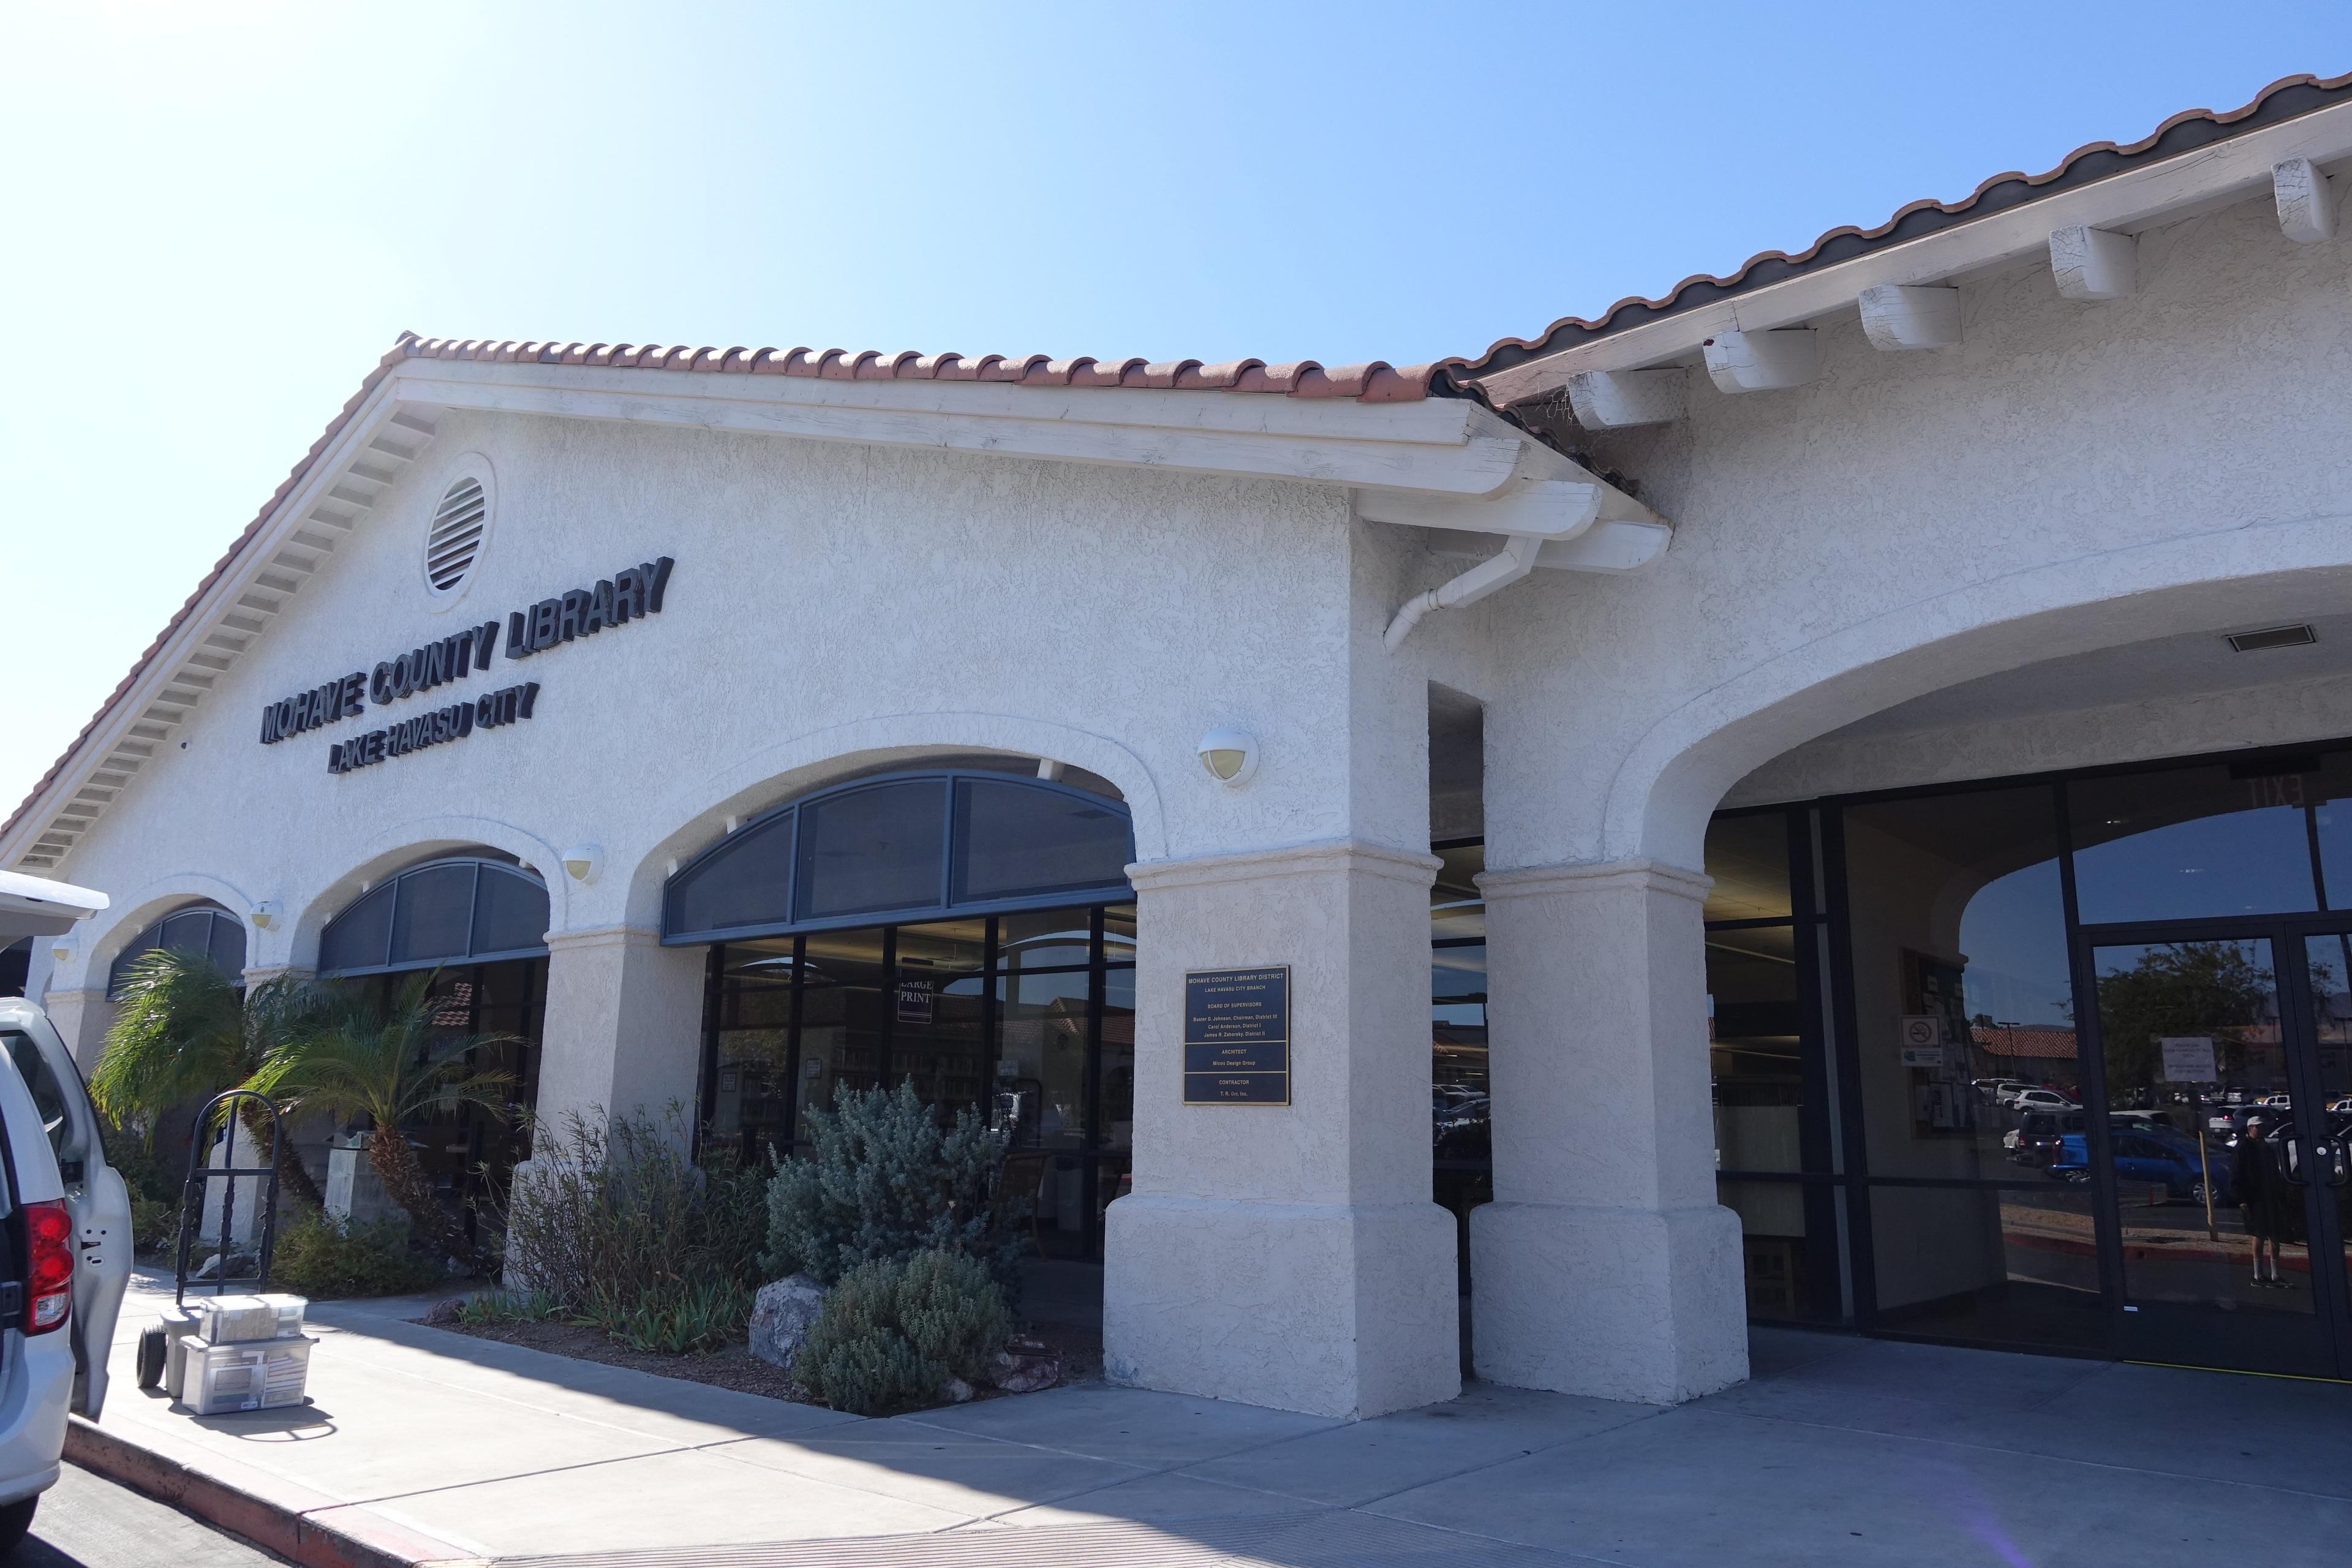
(455, 536)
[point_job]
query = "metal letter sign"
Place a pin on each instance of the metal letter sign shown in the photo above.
(1237, 1037)
(629, 595)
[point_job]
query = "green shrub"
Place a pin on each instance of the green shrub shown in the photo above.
(620, 1229)
(894, 1330)
(146, 1172)
(321, 1257)
(678, 1317)
(493, 1307)
(154, 1224)
(886, 1182)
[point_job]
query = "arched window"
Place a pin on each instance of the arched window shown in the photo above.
(205, 929)
(906, 847)
(461, 910)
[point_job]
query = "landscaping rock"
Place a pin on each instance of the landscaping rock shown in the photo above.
(780, 1316)
(958, 1391)
(1026, 1366)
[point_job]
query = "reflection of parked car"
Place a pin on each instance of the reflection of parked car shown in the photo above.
(2138, 1157)
(2035, 1142)
(2044, 1100)
(1459, 1119)
(1997, 1089)
(2155, 1122)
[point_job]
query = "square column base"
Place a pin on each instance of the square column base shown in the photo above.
(1343, 1309)
(1614, 1303)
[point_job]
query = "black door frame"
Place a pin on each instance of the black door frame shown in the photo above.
(2203, 1337)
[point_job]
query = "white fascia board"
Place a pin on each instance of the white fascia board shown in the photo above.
(136, 706)
(2136, 199)
(1447, 445)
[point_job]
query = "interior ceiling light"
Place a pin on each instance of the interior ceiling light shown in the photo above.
(2273, 637)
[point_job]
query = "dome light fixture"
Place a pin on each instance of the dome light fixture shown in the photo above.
(582, 861)
(1230, 755)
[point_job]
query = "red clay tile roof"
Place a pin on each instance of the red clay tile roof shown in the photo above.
(1378, 382)
(2043, 1042)
(2284, 99)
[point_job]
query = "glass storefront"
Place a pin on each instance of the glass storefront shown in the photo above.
(1461, 1146)
(2055, 1064)
(478, 926)
(1029, 1017)
(970, 931)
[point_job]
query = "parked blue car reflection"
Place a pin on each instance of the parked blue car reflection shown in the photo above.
(2144, 1156)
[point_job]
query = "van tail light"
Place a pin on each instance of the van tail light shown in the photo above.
(49, 1266)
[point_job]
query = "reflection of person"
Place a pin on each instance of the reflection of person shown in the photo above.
(2263, 1196)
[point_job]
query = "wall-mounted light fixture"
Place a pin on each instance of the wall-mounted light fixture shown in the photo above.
(265, 914)
(63, 948)
(1230, 755)
(582, 861)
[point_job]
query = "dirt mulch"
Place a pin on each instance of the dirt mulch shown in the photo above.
(737, 1368)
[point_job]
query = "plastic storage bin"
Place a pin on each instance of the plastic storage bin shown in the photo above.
(244, 1375)
(232, 1319)
(179, 1324)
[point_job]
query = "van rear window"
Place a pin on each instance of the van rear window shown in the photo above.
(48, 1095)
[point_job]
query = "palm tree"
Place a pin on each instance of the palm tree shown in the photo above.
(393, 1065)
(186, 1030)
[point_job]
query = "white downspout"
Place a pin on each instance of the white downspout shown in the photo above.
(1518, 559)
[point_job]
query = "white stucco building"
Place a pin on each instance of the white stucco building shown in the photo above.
(1826, 673)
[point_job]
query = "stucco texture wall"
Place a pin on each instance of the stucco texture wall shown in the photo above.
(832, 605)
(2071, 476)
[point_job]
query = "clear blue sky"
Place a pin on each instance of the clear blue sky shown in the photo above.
(218, 215)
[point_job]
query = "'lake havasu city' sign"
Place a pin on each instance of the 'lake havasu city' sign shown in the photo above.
(631, 593)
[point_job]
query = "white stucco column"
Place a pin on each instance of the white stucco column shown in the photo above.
(1288, 1256)
(1604, 1265)
(82, 1018)
(623, 1029)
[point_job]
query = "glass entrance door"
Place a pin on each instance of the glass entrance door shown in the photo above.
(2327, 980)
(2219, 1162)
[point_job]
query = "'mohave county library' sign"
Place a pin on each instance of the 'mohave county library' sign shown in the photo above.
(628, 595)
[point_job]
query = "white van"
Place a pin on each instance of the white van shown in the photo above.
(65, 1228)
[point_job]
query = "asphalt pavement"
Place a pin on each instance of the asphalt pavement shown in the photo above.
(86, 1521)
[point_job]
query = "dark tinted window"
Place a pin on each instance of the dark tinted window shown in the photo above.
(872, 849)
(887, 846)
(361, 937)
(206, 929)
(2192, 841)
(748, 882)
(510, 911)
(48, 1095)
(1747, 857)
(190, 931)
(433, 914)
(1018, 841)
(1959, 928)
(226, 945)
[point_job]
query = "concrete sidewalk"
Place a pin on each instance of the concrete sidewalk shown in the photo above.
(429, 1445)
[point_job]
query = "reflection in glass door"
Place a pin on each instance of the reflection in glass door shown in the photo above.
(2205, 1168)
(2327, 971)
